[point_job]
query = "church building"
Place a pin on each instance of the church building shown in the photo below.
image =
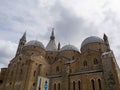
(36, 67)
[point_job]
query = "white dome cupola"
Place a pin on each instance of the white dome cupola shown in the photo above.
(35, 43)
(69, 48)
(92, 39)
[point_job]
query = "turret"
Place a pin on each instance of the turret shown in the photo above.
(106, 42)
(59, 46)
(51, 49)
(21, 44)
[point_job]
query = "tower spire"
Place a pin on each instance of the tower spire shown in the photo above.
(21, 43)
(23, 38)
(51, 46)
(52, 37)
(106, 41)
(59, 46)
(105, 37)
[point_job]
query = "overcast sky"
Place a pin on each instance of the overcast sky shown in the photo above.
(73, 20)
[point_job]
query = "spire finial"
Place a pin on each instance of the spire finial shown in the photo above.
(52, 37)
(52, 31)
(21, 43)
(106, 41)
(59, 46)
(24, 36)
(105, 37)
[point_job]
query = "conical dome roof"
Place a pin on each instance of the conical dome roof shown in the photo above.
(51, 46)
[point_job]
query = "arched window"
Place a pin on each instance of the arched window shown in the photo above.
(57, 69)
(55, 58)
(100, 50)
(79, 85)
(46, 74)
(1, 81)
(85, 63)
(34, 84)
(93, 84)
(21, 71)
(10, 83)
(20, 58)
(95, 61)
(73, 57)
(22, 64)
(54, 86)
(58, 86)
(73, 85)
(48, 57)
(34, 73)
(99, 84)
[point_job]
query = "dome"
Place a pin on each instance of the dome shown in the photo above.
(35, 43)
(69, 47)
(92, 39)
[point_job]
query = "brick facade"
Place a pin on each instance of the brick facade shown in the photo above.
(94, 68)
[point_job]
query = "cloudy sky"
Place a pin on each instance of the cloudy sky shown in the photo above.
(73, 20)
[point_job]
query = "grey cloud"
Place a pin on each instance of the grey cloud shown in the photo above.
(17, 16)
(2, 65)
(37, 18)
(111, 25)
(69, 27)
(7, 52)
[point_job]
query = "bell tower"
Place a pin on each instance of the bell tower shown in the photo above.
(21, 43)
